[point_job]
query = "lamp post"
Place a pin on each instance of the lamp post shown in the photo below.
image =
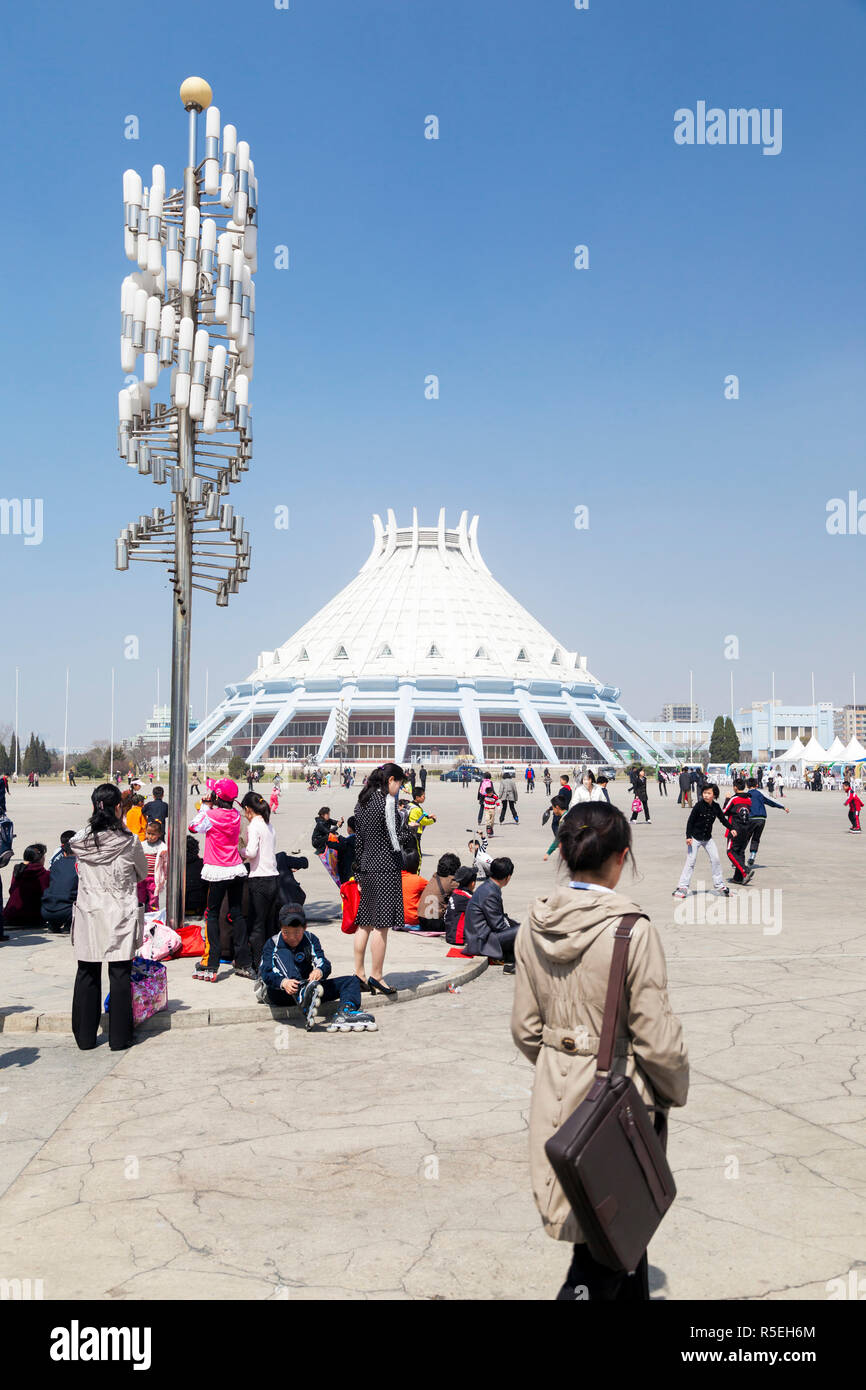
(190, 307)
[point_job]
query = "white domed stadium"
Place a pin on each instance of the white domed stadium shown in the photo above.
(431, 660)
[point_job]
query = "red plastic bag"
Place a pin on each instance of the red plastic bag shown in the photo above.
(192, 938)
(351, 895)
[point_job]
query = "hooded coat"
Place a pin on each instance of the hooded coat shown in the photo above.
(107, 921)
(563, 953)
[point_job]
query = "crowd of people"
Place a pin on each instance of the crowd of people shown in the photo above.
(102, 879)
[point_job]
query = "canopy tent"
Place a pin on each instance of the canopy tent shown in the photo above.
(814, 752)
(836, 751)
(855, 752)
(795, 753)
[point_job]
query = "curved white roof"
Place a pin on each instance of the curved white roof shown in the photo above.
(424, 604)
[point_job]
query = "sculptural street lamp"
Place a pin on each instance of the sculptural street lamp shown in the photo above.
(189, 307)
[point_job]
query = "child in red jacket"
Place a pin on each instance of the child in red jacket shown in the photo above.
(855, 806)
(29, 881)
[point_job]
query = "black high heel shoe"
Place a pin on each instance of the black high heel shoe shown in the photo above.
(366, 987)
(379, 986)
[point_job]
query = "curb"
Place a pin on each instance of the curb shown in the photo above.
(181, 1017)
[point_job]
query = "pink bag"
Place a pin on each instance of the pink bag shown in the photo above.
(160, 942)
(149, 989)
(637, 804)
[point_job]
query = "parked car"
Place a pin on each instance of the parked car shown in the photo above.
(455, 774)
(608, 772)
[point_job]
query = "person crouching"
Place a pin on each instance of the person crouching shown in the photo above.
(295, 970)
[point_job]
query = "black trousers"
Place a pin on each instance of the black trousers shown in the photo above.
(216, 891)
(87, 1004)
(737, 843)
(756, 826)
(588, 1281)
(663, 788)
(513, 805)
(265, 904)
(644, 804)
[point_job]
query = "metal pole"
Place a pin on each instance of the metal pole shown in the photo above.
(814, 710)
(204, 750)
(157, 723)
(66, 724)
(15, 769)
(180, 639)
(111, 738)
(691, 715)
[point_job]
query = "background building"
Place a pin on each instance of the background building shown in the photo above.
(430, 658)
(681, 714)
(764, 730)
(850, 722)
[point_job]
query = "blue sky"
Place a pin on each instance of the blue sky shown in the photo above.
(410, 256)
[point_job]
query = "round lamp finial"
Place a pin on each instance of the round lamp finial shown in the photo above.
(195, 94)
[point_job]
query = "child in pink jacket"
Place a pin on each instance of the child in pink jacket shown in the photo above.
(224, 872)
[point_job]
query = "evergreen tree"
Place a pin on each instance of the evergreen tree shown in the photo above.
(5, 765)
(732, 743)
(31, 755)
(718, 741)
(13, 753)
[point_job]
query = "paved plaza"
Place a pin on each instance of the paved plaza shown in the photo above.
(252, 1160)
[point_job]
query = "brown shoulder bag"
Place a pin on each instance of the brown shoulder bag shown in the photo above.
(608, 1157)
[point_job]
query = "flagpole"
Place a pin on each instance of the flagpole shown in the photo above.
(66, 725)
(158, 716)
(691, 716)
(206, 707)
(814, 710)
(111, 741)
(17, 739)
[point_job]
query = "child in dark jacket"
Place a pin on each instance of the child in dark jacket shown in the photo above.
(59, 897)
(699, 833)
(324, 830)
(295, 970)
(738, 809)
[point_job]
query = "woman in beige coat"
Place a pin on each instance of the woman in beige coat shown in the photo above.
(563, 954)
(107, 920)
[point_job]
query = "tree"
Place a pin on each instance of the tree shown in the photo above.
(732, 743)
(237, 767)
(718, 740)
(5, 765)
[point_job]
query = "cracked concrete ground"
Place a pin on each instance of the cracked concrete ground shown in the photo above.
(256, 1161)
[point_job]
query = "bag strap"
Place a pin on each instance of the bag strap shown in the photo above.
(615, 989)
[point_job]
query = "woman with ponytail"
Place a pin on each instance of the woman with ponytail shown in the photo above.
(107, 920)
(563, 954)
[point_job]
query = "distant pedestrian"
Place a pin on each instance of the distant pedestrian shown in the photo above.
(545, 777)
(855, 806)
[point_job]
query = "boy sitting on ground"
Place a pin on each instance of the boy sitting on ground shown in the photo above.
(295, 970)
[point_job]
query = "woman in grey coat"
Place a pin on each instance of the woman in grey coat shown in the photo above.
(508, 795)
(107, 920)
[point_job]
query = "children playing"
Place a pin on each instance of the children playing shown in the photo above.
(699, 835)
(855, 806)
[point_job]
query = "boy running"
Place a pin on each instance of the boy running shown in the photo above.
(760, 801)
(699, 835)
(855, 806)
(739, 810)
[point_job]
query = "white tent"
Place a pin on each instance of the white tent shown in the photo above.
(814, 752)
(855, 751)
(836, 751)
(795, 753)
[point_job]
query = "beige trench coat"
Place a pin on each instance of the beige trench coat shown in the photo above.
(107, 920)
(563, 953)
